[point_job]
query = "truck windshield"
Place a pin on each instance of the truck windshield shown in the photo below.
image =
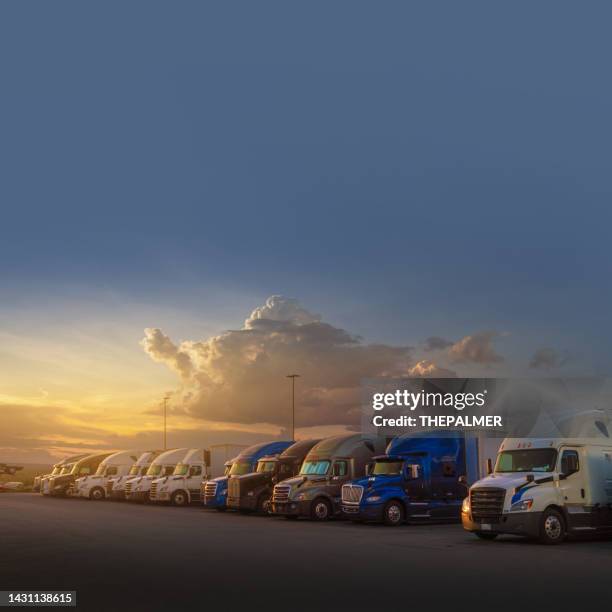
(56, 471)
(318, 468)
(387, 468)
(266, 466)
(66, 469)
(154, 470)
(526, 460)
(134, 470)
(181, 469)
(239, 468)
(100, 470)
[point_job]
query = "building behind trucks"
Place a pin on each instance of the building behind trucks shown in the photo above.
(94, 486)
(416, 480)
(184, 485)
(115, 486)
(61, 468)
(252, 492)
(63, 484)
(215, 490)
(138, 489)
(316, 492)
(544, 488)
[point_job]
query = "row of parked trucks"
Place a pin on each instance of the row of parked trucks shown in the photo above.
(545, 489)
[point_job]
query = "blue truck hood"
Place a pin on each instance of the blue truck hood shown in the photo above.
(219, 479)
(378, 482)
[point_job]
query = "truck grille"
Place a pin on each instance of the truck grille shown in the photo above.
(233, 487)
(281, 493)
(210, 489)
(153, 493)
(351, 494)
(487, 504)
(128, 488)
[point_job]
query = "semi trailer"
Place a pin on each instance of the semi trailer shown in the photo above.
(316, 492)
(252, 492)
(63, 484)
(138, 489)
(115, 486)
(94, 486)
(416, 480)
(215, 490)
(544, 489)
(184, 485)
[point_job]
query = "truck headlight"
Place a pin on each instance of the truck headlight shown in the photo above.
(373, 498)
(465, 506)
(522, 506)
(251, 493)
(300, 497)
(164, 489)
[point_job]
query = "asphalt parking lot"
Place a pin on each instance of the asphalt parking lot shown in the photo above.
(121, 556)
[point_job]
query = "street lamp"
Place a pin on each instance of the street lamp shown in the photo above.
(293, 377)
(166, 398)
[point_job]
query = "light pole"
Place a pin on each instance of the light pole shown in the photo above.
(293, 377)
(166, 398)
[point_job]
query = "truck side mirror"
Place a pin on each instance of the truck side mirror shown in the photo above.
(413, 471)
(489, 466)
(462, 480)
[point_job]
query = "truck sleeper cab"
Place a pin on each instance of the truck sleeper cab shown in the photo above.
(63, 484)
(316, 492)
(184, 485)
(215, 490)
(544, 489)
(115, 486)
(94, 486)
(252, 492)
(139, 489)
(416, 480)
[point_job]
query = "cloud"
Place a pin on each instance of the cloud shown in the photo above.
(428, 369)
(477, 348)
(240, 376)
(435, 343)
(547, 358)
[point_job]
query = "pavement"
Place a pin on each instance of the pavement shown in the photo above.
(121, 556)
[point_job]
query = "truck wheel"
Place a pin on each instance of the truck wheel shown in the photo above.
(179, 498)
(484, 535)
(262, 504)
(393, 514)
(96, 494)
(320, 510)
(552, 527)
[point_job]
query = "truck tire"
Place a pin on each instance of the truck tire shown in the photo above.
(552, 527)
(261, 504)
(320, 510)
(393, 513)
(179, 498)
(485, 535)
(96, 494)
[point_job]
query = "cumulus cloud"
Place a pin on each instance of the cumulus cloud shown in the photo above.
(435, 343)
(428, 369)
(547, 358)
(477, 348)
(240, 375)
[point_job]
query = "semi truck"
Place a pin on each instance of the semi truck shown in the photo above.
(252, 492)
(416, 480)
(64, 466)
(63, 484)
(139, 489)
(215, 490)
(115, 486)
(316, 492)
(94, 486)
(544, 489)
(184, 485)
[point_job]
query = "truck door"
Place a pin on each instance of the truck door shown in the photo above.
(446, 493)
(417, 487)
(572, 482)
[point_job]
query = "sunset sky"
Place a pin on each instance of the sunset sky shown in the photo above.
(417, 203)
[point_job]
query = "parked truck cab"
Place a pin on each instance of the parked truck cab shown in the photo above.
(63, 484)
(215, 490)
(139, 489)
(94, 486)
(115, 487)
(415, 480)
(316, 492)
(544, 489)
(183, 487)
(252, 492)
(63, 466)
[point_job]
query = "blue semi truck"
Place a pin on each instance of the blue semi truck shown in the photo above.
(417, 479)
(215, 490)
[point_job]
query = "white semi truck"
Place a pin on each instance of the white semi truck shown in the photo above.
(139, 488)
(63, 467)
(183, 487)
(115, 487)
(94, 486)
(544, 488)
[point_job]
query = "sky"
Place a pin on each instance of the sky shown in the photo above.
(399, 172)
